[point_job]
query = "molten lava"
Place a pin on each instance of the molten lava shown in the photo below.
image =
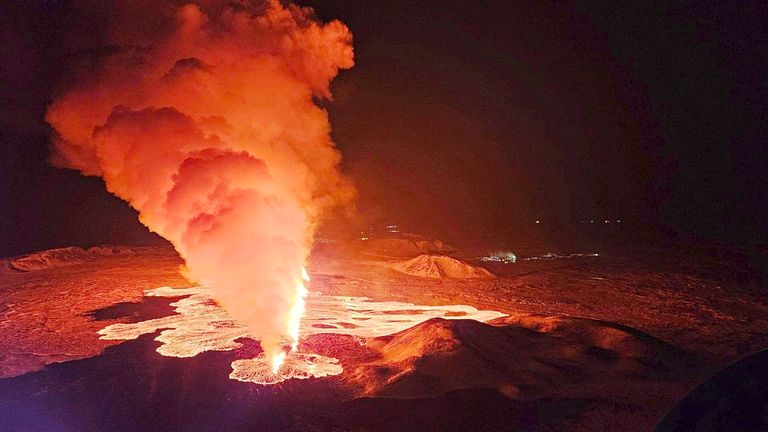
(200, 325)
(296, 313)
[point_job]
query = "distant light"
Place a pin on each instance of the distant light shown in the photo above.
(607, 221)
(592, 221)
(618, 220)
(538, 221)
(500, 257)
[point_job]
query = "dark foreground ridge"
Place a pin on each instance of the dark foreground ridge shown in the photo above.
(733, 400)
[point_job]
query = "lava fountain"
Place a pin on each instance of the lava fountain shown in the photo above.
(202, 117)
(295, 323)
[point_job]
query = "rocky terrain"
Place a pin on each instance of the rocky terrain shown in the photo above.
(587, 343)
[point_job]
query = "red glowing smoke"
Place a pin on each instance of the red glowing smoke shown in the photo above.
(207, 127)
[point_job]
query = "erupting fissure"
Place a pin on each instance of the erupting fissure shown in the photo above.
(201, 116)
(297, 312)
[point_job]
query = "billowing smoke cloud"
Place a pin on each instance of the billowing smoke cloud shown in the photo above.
(205, 123)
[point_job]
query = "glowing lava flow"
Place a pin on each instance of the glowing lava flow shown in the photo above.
(199, 324)
(295, 323)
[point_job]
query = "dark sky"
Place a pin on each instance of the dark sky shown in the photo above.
(470, 120)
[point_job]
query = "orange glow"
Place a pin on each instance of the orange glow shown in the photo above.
(210, 132)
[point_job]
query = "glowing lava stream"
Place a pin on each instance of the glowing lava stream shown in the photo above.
(295, 324)
(199, 324)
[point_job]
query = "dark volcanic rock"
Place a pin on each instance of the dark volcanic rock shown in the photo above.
(733, 400)
(524, 357)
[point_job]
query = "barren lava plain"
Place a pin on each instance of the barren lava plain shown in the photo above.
(610, 342)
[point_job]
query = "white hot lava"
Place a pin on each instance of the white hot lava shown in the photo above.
(295, 324)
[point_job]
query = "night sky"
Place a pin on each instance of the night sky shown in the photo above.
(469, 120)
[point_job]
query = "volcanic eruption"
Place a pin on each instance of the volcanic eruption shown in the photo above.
(206, 125)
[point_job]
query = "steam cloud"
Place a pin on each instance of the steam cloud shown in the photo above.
(205, 123)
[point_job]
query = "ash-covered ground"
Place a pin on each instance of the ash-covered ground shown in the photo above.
(608, 342)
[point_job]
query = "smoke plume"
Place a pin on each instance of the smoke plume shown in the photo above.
(203, 120)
